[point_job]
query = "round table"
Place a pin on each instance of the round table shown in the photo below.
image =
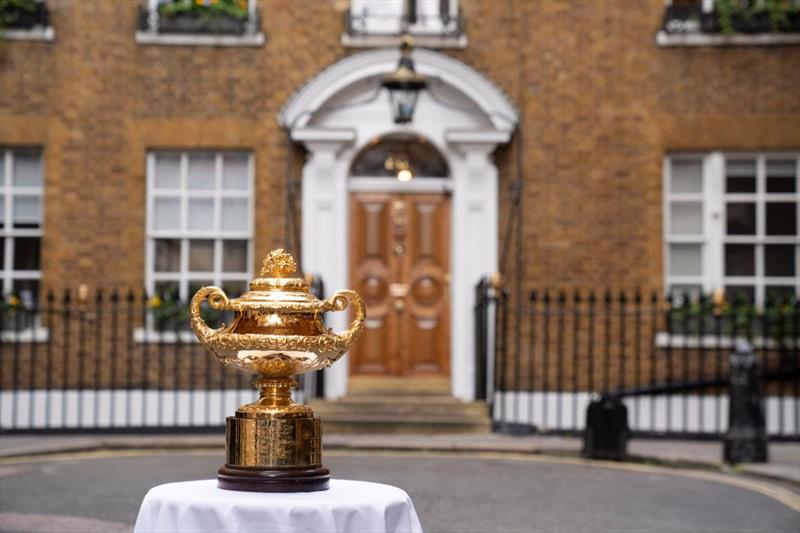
(348, 506)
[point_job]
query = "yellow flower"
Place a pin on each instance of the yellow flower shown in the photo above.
(154, 301)
(13, 301)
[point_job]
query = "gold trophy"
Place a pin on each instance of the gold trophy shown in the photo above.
(274, 445)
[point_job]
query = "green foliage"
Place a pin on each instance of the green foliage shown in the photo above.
(170, 314)
(776, 11)
(11, 9)
(737, 317)
(12, 301)
(205, 8)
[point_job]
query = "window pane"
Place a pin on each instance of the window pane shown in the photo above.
(234, 214)
(201, 255)
(195, 286)
(781, 176)
(167, 214)
(2, 209)
(27, 169)
(201, 214)
(774, 293)
(740, 260)
(779, 260)
(201, 171)
(168, 255)
(27, 211)
(685, 260)
(741, 175)
(738, 293)
(680, 292)
(781, 218)
(234, 171)
(234, 288)
(168, 171)
(28, 292)
(234, 256)
(686, 218)
(741, 219)
(167, 289)
(2, 169)
(687, 176)
(385, 157)
(2, 257)
(26, 253)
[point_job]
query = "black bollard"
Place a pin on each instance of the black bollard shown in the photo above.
(746, 438)
(606, 433)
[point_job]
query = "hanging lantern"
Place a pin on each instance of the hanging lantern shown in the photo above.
(404, 84)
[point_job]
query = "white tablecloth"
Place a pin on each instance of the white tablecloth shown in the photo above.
(348, 506)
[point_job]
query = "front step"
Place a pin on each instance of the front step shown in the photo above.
(402, 414)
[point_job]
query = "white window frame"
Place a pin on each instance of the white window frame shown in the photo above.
(183, 277)
(380, 23)
(37, 33)
(714, 233)
(36, 333)
(151, 35)
(7, 229)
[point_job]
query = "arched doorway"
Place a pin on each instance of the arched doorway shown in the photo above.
(336, 116)
(400, 261)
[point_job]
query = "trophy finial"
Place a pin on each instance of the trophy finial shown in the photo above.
(278, 264)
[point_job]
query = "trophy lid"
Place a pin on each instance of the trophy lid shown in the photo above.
(274, 290)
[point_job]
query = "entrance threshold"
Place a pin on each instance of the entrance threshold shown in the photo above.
(408, 385)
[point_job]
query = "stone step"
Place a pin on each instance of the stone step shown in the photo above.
(390, 386)
(402, 414)
(370, 424)
(401, 406)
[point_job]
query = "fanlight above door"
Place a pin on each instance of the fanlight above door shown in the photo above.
(400, 156)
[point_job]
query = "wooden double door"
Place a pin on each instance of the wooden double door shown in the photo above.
(400, 263)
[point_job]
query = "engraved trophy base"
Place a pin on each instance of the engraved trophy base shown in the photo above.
(273, 445)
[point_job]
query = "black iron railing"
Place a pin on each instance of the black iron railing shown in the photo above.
(667, 357)
(115, 361)
(363, 24)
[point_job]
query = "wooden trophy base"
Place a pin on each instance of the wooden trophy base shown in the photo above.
(273, 479)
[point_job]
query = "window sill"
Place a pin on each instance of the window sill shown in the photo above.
(27, 335)
(724, 342)
(664, 39)
(152, 336)
(393, 41)
(192, 39)
(33, 34)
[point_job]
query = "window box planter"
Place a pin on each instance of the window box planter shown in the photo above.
(25, 15)
(198, 23)
(777, 322)
(683, 19)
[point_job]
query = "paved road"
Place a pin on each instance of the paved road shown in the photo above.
(451, 493)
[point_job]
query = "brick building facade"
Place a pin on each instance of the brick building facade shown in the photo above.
(600, 107)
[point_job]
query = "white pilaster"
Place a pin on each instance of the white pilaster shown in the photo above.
(324, 229)
(475, 244)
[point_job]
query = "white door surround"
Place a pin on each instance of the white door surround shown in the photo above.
(336, 114)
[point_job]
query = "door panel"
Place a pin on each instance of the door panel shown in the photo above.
(400, 259)
(371, 274)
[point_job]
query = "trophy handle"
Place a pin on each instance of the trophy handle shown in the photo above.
(216, 299)
(339, 302)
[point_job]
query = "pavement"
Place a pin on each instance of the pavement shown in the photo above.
(452, 492)
(783, 465)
